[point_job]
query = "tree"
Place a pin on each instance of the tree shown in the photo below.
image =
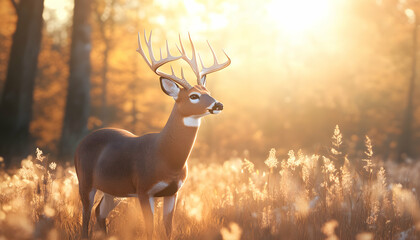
(17, 98)
(405, 143)
(105, 18)
(78, 93)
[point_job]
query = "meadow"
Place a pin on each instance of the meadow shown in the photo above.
(302, 196)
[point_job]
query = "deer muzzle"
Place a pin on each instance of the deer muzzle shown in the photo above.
(216, 108)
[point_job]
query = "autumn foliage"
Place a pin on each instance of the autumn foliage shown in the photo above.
(285, 87)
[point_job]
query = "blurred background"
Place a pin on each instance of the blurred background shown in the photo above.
(299, 68)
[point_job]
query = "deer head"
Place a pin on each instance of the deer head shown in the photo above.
(192, 102)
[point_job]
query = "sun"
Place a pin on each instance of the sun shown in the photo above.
(298, 16)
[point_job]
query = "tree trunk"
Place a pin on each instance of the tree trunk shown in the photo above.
(104, 24)
(404, 149)
(17, 98)
(78, 93)
(104, 111)
(134, 114)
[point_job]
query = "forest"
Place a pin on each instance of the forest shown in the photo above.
(319, 137)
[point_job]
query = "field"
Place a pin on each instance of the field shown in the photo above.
(300, 197)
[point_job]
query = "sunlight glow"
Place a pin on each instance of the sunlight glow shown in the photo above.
(195, 16)
(297, 16)
(61, 9)
(57, 15)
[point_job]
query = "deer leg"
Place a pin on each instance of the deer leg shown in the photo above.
(169, 204)
(87, 202)
(146, 207)
(104, 207)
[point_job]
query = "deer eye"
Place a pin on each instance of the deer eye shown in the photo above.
(194, 96)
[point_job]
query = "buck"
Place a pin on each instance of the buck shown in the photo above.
(121, 164)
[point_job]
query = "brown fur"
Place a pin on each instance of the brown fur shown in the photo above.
(120, 163)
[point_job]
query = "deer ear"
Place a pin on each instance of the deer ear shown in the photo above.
(169, 87)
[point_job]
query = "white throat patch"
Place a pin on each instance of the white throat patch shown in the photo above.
(194, 121)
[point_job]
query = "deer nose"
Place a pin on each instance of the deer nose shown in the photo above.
(218, 106)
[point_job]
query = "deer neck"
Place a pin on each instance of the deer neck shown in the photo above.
(176, 140)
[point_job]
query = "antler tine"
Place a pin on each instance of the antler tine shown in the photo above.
(155, 64)
(216, 66)
(212, 52)
(141, 51)
(182, 73)
(149, 46)
(201, 61)
(191, 61)
(167, 49)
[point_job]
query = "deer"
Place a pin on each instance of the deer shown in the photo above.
(122, 164)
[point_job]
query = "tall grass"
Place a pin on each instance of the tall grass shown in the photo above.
(300, 197)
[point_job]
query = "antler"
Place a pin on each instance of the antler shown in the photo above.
(155, 64)
(193, 61)
(216, 66)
